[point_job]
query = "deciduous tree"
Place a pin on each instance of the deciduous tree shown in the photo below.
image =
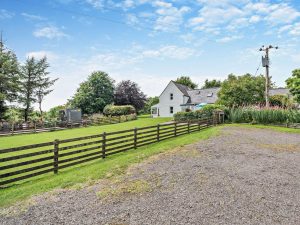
(94, 94)
(13, 116)
(150, 102)
(187, 81)
(212, 83)
(128, 93)
(293, 83)
(242, 90)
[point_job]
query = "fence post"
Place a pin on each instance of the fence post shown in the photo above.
(198, 125)
(55, 158)
(175, 129)
(135, 137)
(103, 145)
(188, 127)
(157, 132)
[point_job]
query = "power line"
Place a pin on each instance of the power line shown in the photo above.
(258, 67)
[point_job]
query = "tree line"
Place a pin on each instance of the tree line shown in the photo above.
(26, 83)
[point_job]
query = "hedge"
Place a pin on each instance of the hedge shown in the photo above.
(206, 111)
(118, 110)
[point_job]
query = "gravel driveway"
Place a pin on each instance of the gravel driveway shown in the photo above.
(243, 176)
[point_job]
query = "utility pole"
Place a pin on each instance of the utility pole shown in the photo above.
(266, 63)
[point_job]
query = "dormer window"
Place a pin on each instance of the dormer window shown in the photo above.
(171, 96)
(210, 94)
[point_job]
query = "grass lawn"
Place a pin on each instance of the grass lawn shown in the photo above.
(27, 139)
(90, 172)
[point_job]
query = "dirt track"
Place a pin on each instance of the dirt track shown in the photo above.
(244, 176)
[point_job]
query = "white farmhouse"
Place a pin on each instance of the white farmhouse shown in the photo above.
(177, 98)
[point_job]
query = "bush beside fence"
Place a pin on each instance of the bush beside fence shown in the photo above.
(55, 156)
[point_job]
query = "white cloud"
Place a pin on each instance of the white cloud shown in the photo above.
(32, 17)
(40, 54)
(215, 16)
(292, 29)
(132, 20)
(229, 38)
(50, 32)
(169, 17)
(170, 51)
(4, 14)
(98, 4)
(254, 19)
(212, 16)
(282, 13)
(295, 30)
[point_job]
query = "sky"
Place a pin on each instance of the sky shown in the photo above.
(152, 42)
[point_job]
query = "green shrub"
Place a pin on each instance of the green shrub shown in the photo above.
(281, 101)
(118, 110)
(205, 112)
(209, 109)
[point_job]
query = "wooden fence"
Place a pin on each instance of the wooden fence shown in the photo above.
(25, 162)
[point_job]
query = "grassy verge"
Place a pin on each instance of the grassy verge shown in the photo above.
(27, 139)
(275, 128)
(98, 169)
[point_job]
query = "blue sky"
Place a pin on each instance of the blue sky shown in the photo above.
(152, 42)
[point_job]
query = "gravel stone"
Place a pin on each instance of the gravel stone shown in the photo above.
(243, 176)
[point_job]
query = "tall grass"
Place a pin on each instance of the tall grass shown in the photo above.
(274, 115)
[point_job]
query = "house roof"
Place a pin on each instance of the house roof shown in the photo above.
(183, 88)
(208, 95)
(279, 91)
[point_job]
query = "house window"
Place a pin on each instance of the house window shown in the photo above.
(171, 96)
(171, 109)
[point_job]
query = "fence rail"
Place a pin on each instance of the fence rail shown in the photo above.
(28, 161)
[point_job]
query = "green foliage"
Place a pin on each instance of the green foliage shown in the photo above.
(94, 94)
(44, 84)
(13, 116)
(212, 83)
(150, 102)
(128, 93)
(9, 78)
(293, 83)
(206, 111)
(118, 110)
(34, 117)
(187, 81)
(281, 101)
(242, 90)
(262, 115)
(209, 109)
(52, 115)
